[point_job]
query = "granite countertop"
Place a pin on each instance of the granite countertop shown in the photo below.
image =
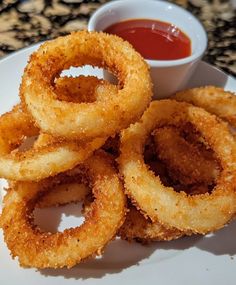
(25, 22)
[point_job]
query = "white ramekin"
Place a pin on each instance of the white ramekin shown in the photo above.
(168, 76)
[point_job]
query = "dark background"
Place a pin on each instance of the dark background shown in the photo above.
(23, 23)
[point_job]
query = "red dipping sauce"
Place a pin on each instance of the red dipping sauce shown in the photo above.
(153, 39)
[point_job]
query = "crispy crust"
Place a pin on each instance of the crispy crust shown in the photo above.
(49, 155)
(35, 248)
(86, 120)
(213, 99)
(64, 194)
(137, 227)
(186, 162)
(200, 213)
(36, 163)
(82, 89)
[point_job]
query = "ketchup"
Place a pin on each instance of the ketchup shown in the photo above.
(153, 39)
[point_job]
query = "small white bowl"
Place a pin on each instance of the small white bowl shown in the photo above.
(169, 76)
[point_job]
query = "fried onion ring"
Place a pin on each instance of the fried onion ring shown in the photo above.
(55, 155)
(64, 194)
(137, 227)
(213, 99)
(86, 120)
(186, 162)
(198, 213)
(35, 248)
(35, 164)
(82, 89)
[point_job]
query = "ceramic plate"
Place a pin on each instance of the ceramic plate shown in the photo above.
(192, 260)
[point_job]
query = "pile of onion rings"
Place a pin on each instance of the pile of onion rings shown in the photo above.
(76, 117)
(55, 155)
(144, 171)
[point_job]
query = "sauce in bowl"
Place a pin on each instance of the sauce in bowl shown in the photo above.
(153, 39)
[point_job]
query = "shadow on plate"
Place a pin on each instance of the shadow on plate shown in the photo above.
(60, 217)
(120, 255)
(221, 242)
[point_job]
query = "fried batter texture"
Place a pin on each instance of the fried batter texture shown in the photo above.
(64, 194)
(82, 89)
(198, 213)
(186, 162)
(137, 227)
(213, 99)
(35, 248)
(55, 155)
(86, 120)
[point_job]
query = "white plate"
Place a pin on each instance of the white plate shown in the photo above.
(193, 260)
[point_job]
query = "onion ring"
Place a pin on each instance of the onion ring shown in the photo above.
(137, 227)
(71, 188)
(213, 99)
(86, 120)
(199, 213)
(186, 162)
(169, 179)
(33, 165)
(82, 89)
(46, 250)
(55, 155)
(64, 194)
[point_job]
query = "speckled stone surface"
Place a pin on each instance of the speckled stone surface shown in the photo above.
(25, 22)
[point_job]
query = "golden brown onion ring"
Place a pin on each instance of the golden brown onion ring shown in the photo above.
(33, 165)
(213, 99)
(35, 248)
(137, 227)
(86, 120)
(198, 213)
(186, 162)
(55, 155)
(69, 190)
(64, 193)
(82, 89)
